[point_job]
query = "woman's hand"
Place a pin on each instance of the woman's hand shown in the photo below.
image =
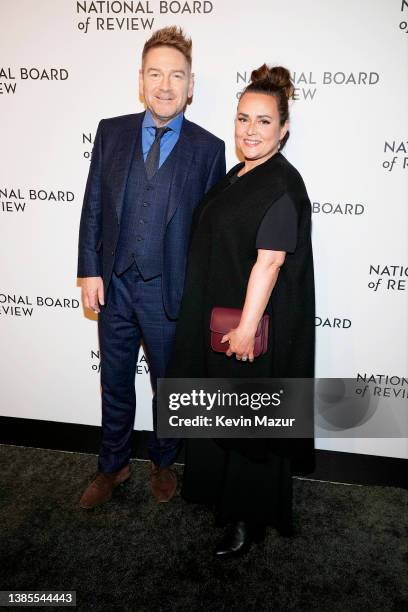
(241, 342)
(262, 279)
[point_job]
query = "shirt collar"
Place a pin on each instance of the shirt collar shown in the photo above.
(175, 124)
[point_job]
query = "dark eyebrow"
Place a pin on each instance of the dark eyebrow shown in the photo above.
(258, 116)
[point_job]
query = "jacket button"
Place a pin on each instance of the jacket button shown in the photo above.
(112, 252)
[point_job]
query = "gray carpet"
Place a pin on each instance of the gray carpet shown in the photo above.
(349, 552)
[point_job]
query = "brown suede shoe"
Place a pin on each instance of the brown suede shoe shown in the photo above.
(163, 482)
(101, 488)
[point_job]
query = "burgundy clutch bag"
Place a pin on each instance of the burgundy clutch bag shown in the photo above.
(225, 319)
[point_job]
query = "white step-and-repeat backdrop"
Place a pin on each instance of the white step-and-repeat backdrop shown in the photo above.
(66, 64)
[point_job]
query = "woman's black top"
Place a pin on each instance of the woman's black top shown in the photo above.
(278, 228)
(267, 207)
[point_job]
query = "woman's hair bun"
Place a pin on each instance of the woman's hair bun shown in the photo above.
(278, 76)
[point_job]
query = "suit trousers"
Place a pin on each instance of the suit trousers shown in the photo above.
(133, 313)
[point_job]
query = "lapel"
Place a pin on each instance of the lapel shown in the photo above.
(185, 156)
(128, 140)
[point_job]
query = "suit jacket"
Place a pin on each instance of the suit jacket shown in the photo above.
(200, 163)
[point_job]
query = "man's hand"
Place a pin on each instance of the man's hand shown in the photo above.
(92, 292)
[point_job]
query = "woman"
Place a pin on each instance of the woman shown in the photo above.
(251, 249)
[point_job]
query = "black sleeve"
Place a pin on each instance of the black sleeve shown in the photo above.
(278, 228)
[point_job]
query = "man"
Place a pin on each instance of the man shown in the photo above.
(148, 172)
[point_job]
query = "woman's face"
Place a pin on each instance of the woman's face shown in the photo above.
(257, 127)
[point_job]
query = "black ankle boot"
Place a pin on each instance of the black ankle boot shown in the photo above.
(238, 539)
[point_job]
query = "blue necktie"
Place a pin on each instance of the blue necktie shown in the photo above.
(153, 157)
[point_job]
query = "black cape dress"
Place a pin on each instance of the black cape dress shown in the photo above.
(230, 224)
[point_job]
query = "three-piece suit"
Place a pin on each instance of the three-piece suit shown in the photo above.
(134, 233)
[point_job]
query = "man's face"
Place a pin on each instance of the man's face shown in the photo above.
(165, 82)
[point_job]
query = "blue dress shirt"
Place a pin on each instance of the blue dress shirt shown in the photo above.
(168, 140)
